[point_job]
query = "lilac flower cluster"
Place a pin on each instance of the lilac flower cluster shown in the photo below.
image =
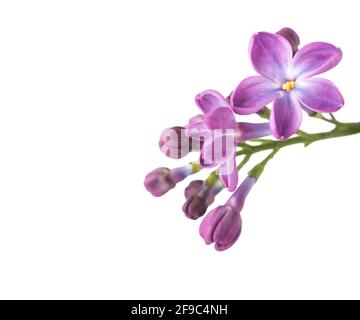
(287, 79)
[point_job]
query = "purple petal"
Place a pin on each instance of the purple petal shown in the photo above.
(196, 119)
(209, 100)
(196, 128)
(220, 118)
(248, 131)
(252, 94)
(216, 149)
(228, 172)
(286, 115)
(210, 222)
(227, 230)
(319, 95)
(270, 55)
(291, 36)
(207, 154)
(315, 58)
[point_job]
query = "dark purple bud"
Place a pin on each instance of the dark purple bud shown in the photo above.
(161, 180)
(291, 36)
(195, 187)
(199, 195)
(174, 143)
(194, 207)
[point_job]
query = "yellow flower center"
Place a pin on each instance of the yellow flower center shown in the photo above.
(288, 86)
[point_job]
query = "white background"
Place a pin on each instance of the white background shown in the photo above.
(85, 89)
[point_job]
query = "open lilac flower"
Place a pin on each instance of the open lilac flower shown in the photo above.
(220, 133)
(288, 81)
(223, 224)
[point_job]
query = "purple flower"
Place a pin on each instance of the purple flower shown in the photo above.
(222, 225)
(174, 143)
(199, 195)
(220, 133)
(161, 180)
(288, 81)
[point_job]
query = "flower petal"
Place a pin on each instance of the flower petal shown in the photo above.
(196, 128)
(270, 55)
(247, 131)
(207, 156)
(319, 95)
(210, 222)
(313, 59)
(220, 118)
(209, 100)
(291, 36)
(229, 173)
(216, 148)
(286, 115)
(227, 230)
(252, 94)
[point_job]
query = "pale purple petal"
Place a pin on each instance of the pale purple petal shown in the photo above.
(217, 148)
(196, 128)
(247, 131)
(270, 55)
(228, 172)
(252, 94)
(286, 115)
(208, 158)
(319, 95)
(220, 118)
(209, 100)
(196, 119)
(313, 59)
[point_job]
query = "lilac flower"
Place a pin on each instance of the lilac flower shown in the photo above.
(161, 180)
(199, 195)
(288, 82)
(223, 224)
(175, 144)
(220, 133)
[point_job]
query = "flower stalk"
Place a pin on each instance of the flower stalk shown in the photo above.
(340, 130)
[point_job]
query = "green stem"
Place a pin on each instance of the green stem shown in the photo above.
(259, 168)
(244, 162)
(341, 130)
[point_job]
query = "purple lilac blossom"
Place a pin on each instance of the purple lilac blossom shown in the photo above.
(218, 130)
(288, 81)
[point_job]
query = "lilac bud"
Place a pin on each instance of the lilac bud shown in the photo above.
(291, 36)
(223, 224)
(161, 180)
(174, 143)
(194, 207)
(199, 195)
